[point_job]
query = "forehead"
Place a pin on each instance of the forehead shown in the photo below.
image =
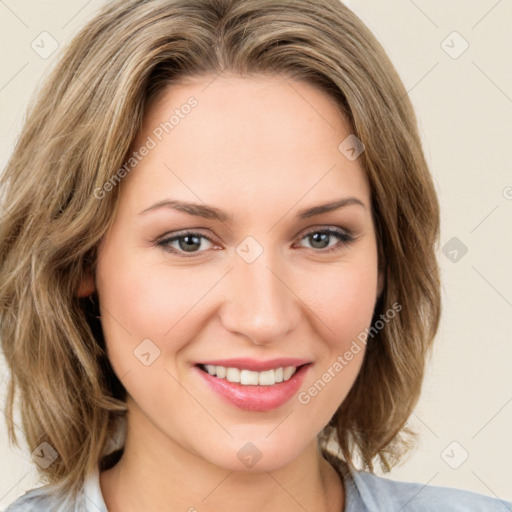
(244, 138)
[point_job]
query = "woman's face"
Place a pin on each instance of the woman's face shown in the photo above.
(260, 288)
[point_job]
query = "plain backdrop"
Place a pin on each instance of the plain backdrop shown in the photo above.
(452, 58)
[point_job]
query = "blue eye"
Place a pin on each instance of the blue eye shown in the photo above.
(189, 242)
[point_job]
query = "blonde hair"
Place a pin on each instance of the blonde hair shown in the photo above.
(78, 133)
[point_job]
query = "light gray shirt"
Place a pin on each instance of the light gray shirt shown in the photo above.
(364, 492)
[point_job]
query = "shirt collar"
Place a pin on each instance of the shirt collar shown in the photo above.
(94, 501)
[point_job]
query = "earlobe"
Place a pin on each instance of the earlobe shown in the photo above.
(87, 286)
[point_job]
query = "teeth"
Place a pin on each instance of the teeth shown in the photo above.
(266, 378)
(232, 374)
(288, 372)
(250, 378)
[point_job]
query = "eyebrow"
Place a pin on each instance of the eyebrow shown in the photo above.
(210, 212)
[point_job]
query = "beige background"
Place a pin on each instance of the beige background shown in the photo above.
(464, 106)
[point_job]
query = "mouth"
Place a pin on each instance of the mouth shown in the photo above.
(252, 390)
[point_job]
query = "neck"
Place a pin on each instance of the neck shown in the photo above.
(148, 477)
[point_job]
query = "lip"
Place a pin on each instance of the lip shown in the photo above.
(255, 365)
(255, 398)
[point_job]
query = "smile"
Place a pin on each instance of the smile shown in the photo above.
(249, 377)
(254, 385)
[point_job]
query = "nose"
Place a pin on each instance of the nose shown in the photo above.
(260, 304)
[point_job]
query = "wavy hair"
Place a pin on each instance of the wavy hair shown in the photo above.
(77, 134)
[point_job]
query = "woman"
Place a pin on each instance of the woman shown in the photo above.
(219, 284)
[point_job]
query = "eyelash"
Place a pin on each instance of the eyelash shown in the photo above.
(343, 237)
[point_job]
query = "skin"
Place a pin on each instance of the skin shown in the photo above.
(260, 148)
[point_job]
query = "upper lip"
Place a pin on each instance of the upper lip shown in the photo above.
(256, 365)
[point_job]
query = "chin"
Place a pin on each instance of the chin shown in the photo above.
(257, 454)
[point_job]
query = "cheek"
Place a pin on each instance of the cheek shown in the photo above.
(346, 301)
(345, 305)
(146, 298)
(341, 355)
(146, 315)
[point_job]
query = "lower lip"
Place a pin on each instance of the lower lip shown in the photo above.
(256, 398)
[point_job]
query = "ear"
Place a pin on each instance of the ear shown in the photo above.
(87, 286)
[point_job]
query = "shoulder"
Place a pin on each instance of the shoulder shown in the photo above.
(49, 498)
(367, 492)
(31, 501)
(380, 493)
(38, 500)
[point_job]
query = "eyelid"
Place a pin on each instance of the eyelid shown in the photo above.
(323, 227)
(193, 231)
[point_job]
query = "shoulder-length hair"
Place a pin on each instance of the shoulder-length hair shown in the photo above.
(77, 135)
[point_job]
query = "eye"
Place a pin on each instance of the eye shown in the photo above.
(187, 242)
(319, 237)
